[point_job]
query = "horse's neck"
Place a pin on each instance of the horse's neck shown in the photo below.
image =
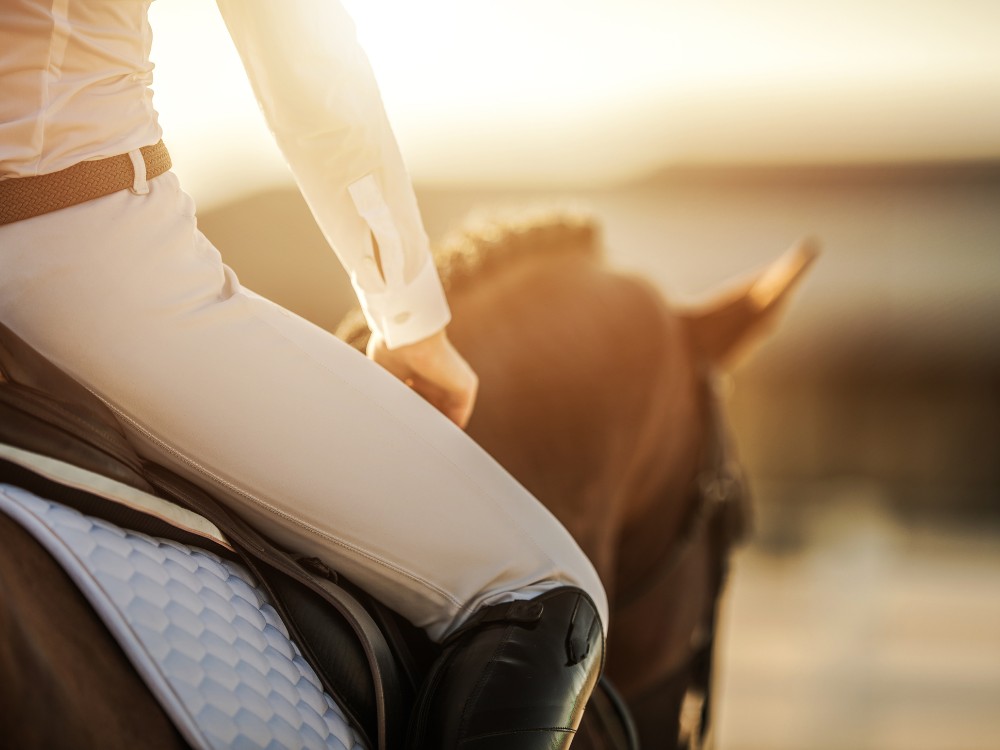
(659, 507)
(586, 397)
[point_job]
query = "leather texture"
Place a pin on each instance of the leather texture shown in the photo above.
(519, 675)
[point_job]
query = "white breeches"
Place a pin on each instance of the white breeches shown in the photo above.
(311, 442)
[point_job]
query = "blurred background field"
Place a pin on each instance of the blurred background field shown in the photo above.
(707, 138)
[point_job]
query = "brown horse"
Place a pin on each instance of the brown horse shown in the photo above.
(593, 393)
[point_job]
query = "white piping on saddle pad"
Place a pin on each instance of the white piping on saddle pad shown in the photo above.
(205, 640)
(110, 489)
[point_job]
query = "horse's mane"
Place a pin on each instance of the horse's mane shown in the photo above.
(489, 243)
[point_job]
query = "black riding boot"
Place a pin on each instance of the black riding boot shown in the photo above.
(518, 675)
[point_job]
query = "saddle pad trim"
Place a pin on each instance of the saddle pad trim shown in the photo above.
(135, 499)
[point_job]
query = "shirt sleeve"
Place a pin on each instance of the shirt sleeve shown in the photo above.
(319, 96)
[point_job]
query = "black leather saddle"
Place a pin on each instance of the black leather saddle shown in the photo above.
(367, 657)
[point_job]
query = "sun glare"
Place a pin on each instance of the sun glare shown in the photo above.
(553, 91)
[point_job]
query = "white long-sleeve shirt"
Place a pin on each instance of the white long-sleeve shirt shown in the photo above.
(75, 80)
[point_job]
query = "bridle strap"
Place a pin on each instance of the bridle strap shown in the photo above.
(719, 489)
(720, 509)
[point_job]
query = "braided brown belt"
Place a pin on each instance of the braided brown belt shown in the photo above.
(25, 197)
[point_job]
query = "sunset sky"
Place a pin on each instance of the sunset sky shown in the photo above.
(559, 92)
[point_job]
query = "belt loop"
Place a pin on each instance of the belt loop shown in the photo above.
(139, 184)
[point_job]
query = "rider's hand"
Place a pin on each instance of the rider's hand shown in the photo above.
(435, 370)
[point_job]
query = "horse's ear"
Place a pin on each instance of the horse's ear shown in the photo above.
(722, 328)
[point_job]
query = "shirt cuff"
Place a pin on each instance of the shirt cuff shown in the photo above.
(408, 313)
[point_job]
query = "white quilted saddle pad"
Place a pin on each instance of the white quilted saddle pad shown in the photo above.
(199, 631)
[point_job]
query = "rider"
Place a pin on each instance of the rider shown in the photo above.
(103, 270)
